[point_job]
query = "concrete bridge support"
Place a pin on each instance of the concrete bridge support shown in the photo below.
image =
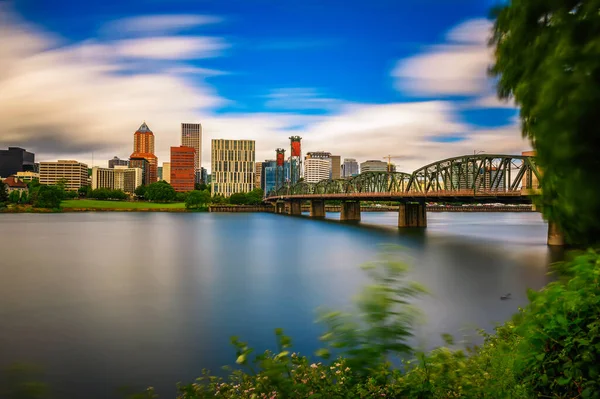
(280, 207)
(555, 236)
(295, 208)
(412, 215)
(350, 211)
(317, 209)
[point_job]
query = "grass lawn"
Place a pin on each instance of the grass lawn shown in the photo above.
(98, 204)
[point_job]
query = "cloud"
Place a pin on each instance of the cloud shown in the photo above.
(490, 101)
(171, 48)
(67, 101)
(300, 98)
(458, 67)
(158, 24)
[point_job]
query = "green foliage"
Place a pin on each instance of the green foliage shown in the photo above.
(202, 187)
(14, 197)
(106, 194)
(181, 197)
(254, 197)
(219, 199)
(84, 191)
(161, 191)
(561, 334)
(140, 191)
(24, 198)
(386, 317)
(3, 192)
(197, 199)
(69, 194)
(23, 381)
(548, 60)
(48, 197)
(238, 199)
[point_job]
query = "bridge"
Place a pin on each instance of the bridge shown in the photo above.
(481, 178)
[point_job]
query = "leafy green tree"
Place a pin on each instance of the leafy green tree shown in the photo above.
(14, 196)
(48, 197)
(161, 191)
(24, 198)
(140, 191)
(548, 61)
(219, 199)
(84, 191)
(181, 197)
(238, 199)
(255, 197)
(3, 192)
(197, 199)
(69, 194)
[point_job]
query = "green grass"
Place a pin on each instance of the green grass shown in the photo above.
(98, 204)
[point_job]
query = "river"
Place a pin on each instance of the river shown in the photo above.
(104, 300)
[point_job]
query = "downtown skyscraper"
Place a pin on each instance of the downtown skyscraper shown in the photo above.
(143, 149)
(191, 136)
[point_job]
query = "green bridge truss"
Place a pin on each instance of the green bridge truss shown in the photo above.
(474, 173)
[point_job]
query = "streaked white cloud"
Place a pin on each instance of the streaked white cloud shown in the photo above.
(171, 48)
(300, 98)
(456, 68)
(158, 24)
(69, 101)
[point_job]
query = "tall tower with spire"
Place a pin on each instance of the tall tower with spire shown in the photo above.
(143, 147)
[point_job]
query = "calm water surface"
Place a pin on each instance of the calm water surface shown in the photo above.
(103, 300)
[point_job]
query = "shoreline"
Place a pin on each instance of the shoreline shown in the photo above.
(264, 209)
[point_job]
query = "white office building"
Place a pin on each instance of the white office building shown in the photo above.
(316, 169)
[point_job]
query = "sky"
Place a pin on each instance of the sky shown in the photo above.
(360, 79)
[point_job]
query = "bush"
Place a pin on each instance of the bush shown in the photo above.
(197, 199)
(181, 197)
(14, 197)
(107, 194)
(161, 191)
(48, 197)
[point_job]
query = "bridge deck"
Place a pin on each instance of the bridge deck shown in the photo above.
(457, 195)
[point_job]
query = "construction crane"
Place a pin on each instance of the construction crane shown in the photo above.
(389, 158)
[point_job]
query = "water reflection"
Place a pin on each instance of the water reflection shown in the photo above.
(140, 299)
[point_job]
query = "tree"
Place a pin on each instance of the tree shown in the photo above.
(161, 191)
(255, 197)
(84, 191)
(14, 196)
(181, 197)
(197, 199)
(24, 198)
(140, 191)
(548, 61)
(202, 187)
(3, 192)
(48, 197)
(238, 199)
(219, 199)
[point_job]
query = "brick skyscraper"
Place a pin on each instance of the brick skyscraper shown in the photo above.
(143, 147)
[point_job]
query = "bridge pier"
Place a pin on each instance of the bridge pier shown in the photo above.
(295, 208)
(317, 209)
(555, 236)
(412, 215)
(280, 207)
(350, 211)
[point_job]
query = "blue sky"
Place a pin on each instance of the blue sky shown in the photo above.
(358, 78)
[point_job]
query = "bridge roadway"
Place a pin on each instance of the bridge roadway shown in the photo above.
(481, 178)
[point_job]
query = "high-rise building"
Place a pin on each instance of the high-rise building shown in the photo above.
(116, 161)
(183, 173)
(316, 169)
(118, 178)
(160, 173)
(336, 167)
(269, 175)
(73, 173)
(167, 171)
(349, 168)
(232, 166)
(144, 165)
(143, 147)
(204, 176)
(28, 176)
(191, 136)
(15, 160)
(373, 166)
(258, 167)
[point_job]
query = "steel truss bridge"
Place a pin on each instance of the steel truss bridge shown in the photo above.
(468, 178)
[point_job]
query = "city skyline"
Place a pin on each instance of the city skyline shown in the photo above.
(421, 91)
